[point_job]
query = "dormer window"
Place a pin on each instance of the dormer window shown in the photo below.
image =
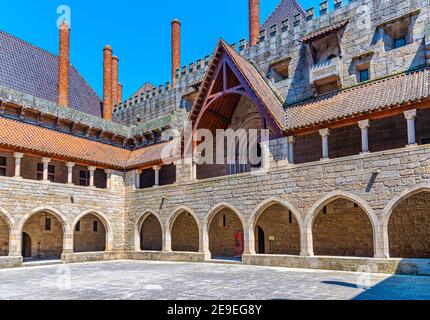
(398, 32)
(364, 75)
(279, 70)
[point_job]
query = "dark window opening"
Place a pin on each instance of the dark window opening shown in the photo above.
(95, 226)
(51, 172)
(325, 210)
(84, 178)
(425, 140)
(290, 218)
(224, 221)
(399, 42)
(48, 224)
(3, 166)
(78, 226)
(364, 75)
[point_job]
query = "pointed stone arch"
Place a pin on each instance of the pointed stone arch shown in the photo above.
(185, 230)
(369, 217)
(221, 243)
(151, 220)
(405, 224)
(44, 245)
(106, 223)
(7, 223)
(277, 228)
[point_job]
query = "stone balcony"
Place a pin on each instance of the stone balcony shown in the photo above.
(327, 73)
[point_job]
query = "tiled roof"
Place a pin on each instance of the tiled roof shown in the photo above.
(408, 87)
(323, 31)
(286, 9)
(260, 87)
(34, 71)
(47, 142)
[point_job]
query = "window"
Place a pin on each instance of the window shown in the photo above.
(279, 70)
(224, 221)
(3, 164)
(399, 42)
(364, 75)
(78, 226)
(290, 218)
(51, 172)
(95, 226)
(425, 141)
(48, 224)
(84, 178)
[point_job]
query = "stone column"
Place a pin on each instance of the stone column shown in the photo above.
(15, 248)
(167, 240)
(70, 166)
(137, 179)
(92, 170)
(411, 116)
(108, 179)
(18, 156)
(157, 175)
(249, 238)
(204, 243)
(291, 141)
(45, 162)
(68, 243)
(364, 126)
(306, 242)
(325, 134)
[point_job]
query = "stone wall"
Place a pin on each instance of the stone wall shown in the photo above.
(221, 233)
(151, 236)
(4, 238)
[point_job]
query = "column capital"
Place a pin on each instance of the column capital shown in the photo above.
(70, 164)
(291, 139)
(325, 132)
(410, 114)
(156, 168)
(46, 160)
(18, 155)
(108, 171)
(92, 169)
(139, 172)
(364, 124)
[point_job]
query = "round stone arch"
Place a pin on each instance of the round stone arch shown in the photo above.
(390, 208)
(10, 223)
(329, 198)
(106, 224)
(262, 207)
(58, 215)
(214, 211)
(139, 225)
(177, 213)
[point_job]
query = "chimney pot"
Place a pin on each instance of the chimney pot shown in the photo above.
(176, 49)
(64, 65)
(254, 22)
(107, 83)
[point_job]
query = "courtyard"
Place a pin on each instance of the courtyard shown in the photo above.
(135, 280)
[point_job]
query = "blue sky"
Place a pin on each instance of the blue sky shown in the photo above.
(138, 31)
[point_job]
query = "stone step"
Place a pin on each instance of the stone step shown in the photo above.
(38, 263)
(225, 261)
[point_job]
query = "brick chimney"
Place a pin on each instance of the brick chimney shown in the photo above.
(176, 48)
(119, 92)
(63, 65)
(254, 22)
(107, 83)
(115, 62)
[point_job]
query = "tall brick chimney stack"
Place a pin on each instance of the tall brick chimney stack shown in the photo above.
(115, 62)
(254, 22)
(119, 92)
(176, 48)
(107, 83)
(63, 65)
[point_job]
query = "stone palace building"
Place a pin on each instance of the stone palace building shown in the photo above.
(345, 95)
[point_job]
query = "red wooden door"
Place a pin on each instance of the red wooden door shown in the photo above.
(238, 245)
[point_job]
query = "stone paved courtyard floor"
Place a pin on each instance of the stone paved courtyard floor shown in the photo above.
(153, 280)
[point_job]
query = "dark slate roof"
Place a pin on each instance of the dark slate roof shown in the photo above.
(286, 9)
(34, 71)
(398, 90)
